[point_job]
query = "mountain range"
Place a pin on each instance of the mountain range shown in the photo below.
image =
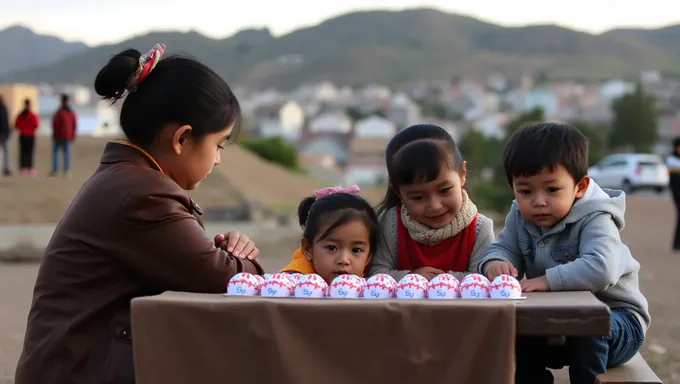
(363, 47)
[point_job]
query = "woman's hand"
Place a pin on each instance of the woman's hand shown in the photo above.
(237, 244)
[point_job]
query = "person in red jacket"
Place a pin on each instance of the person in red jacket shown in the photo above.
(27, 123)
(64, 125)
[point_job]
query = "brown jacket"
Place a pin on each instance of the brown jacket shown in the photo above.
(131, 231)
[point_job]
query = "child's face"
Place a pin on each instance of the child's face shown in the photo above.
(547, 197)
(345, 251)
(195, 159)
(437, 202)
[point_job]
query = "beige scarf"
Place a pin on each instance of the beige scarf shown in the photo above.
(429, 236)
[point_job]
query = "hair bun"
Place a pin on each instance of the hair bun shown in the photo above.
(112, 80)
(303, 209)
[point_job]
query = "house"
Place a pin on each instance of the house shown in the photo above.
(322, 92)
(79, 94)
(403, 111)
(98, 119)
(374, 126)
(375, 92)
(455, 129)
(668, 129)
(615, 89)
(545, 99)
(335, 145)
(330, 122)
(322, 167)
(491, 125)
(283, 119)
(366, 163)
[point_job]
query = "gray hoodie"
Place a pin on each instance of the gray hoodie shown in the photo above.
(583, 252)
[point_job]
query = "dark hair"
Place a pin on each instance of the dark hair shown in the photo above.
(340, 208)
(179, 90)
(676, 144)
(64, 98)
(26, 109)
(535, 147)
(426, 148)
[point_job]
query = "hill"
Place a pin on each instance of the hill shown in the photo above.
(389, 47)
(667, 37)
(241, 176)
(23, 49)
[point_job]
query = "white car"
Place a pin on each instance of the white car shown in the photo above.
(631, 172)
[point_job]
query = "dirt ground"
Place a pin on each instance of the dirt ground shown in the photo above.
(648, 232)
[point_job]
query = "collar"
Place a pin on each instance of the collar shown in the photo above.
(116, 152)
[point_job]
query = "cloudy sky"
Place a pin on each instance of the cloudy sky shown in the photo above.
(99, 21)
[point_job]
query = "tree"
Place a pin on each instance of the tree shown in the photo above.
(275, 150)
(497, 194)
(435, 109)
(535, 115)
(597, 140)
(635, 122)
(541, 77)
(480, 151)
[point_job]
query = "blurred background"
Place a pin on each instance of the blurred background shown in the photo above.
(324, 86)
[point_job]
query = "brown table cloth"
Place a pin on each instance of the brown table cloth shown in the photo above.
(182, 338)
(576, 313)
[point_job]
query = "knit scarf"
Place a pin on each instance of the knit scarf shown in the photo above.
(430, 236)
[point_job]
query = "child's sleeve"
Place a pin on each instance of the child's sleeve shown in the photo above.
(386, 257)
(485, 237)
(599, 265)
(506, 247)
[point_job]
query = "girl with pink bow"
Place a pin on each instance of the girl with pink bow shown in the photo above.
(340, 234)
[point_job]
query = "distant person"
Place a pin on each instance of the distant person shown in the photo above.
(673, 164)
(132, 230)
(64, 124)
(27, 124)
(5, 142)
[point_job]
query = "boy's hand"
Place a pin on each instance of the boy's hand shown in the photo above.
(237, 244)
(537, 284)
(495, 268)
(428, 272)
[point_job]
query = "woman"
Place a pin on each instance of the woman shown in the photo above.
(673, 164)
(27, 123)
(132, 230)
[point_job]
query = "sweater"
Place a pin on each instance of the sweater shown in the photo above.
(386, 257)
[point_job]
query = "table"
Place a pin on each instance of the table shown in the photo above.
(183, 337)
(562, 314)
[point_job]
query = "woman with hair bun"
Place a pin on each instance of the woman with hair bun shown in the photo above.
(132, 230)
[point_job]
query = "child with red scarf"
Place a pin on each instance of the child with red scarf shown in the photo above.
(428, 224)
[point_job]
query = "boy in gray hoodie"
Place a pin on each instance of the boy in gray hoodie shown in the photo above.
(563, 233)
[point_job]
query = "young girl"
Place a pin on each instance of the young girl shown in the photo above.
(428, 225)
(340, 234)
(132, 230)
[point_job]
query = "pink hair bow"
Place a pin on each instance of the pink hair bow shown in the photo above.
(331, 190)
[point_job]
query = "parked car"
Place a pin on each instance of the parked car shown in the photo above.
(631, 172)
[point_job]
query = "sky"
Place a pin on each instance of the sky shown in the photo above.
(98, 21)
